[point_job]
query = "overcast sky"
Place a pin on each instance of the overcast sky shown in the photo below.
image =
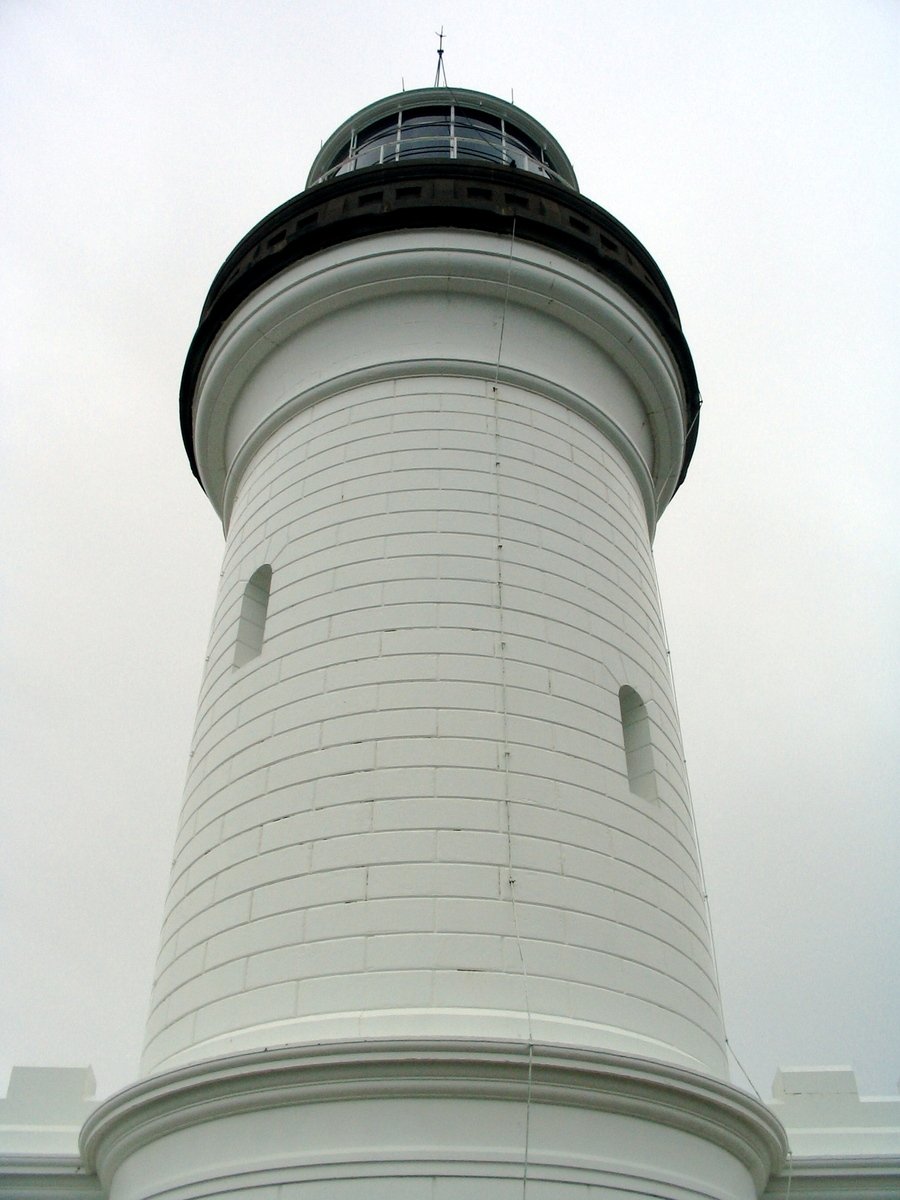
(753, 148)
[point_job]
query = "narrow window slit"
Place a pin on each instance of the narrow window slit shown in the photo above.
(252, 621)
(638, 744)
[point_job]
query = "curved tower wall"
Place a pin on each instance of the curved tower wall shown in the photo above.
(424, 809)
(435, 925)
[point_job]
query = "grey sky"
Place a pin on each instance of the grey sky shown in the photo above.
(752, 147)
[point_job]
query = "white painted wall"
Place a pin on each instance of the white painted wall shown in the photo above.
(461, 582)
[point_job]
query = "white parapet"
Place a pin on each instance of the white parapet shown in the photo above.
(44, 1109)
(842, 1145)
(824, 1114)
(40, 1119)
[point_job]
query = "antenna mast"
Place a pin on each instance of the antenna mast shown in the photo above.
(440, 62)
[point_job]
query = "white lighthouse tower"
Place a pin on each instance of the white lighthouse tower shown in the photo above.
(436, 925)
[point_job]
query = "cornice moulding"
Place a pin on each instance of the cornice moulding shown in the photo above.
(414, 265)
(47, 1177)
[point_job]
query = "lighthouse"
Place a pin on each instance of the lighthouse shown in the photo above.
(436, 924)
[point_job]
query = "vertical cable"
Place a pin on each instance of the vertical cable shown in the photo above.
(690, 802)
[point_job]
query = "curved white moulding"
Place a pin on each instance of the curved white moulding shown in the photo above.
(418, 1119)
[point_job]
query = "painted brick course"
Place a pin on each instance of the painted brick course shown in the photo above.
(435, 668)
(411, 810)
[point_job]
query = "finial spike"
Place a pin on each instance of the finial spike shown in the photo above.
(441, 70)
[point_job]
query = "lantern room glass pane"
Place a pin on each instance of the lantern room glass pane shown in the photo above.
(445, 131)
(480, 148)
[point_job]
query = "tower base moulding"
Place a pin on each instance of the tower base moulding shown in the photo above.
(446, 1119)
